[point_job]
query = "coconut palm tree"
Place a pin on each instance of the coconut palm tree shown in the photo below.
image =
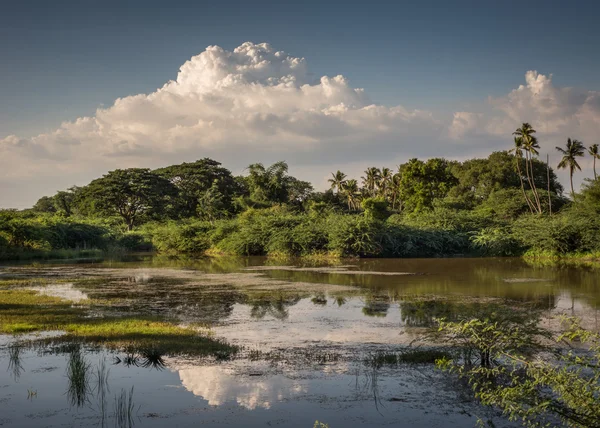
(351, 191)
(371, 180)
(530, 145)
(395, 189)
(593, 151)
(574, 150)
(337, 181)
(518, 151)
(385, 181)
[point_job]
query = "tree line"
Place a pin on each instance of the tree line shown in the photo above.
(434, 207)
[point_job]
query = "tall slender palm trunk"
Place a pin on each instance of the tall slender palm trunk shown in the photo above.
(572, 170)
(529, 180)
(548, 183)
(529, 204)
(535, 192)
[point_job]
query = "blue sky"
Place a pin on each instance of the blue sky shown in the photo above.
(63, 59)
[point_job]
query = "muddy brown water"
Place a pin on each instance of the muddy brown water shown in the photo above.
(305, 333)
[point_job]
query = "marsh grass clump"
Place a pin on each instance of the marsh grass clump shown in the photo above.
(124, 408)
(319, 300)
(102, 389)
(152, 358)
(78, 375)
(255, 354)
(15, 367)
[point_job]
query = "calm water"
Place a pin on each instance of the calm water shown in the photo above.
(305, 337)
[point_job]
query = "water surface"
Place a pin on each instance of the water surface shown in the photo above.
(305, 336)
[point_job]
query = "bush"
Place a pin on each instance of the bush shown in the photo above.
(496, 242)
(192, 237)
(353, 236)
(135, 241)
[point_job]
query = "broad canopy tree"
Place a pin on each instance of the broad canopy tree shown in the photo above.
(195, 180)
(131, 194)
(273, 185)
(423, 182)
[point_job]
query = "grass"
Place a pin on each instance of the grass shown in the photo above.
(124, 407)
(14, 361)
(551, 258)
(78, 375)
(102, 388)
(26, 311)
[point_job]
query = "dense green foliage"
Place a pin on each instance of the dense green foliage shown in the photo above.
(513, 373)
(508, 204)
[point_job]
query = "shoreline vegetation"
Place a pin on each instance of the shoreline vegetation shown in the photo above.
(508, 204)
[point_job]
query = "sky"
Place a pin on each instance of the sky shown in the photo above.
(87, 86)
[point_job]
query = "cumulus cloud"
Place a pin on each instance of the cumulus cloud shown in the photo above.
(555, 112)
(256, 103)
(218, 387)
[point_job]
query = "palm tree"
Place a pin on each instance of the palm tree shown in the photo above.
(268, 184)
(371, 180)
(395, 189)
(530, 145)
(593, 151)
(337, 181)
(385, 181)
(574, 150)
(351, 192)
(518, 151)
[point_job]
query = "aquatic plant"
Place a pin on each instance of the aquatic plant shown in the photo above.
(15, 367)
(78, 375)
(152, 358)
(102, 388)
(124, 408)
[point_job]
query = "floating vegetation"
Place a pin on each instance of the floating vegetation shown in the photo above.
(407, 356)
(78, 375)
(319, 299)
(27, 311)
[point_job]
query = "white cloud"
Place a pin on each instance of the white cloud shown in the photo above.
(258, 104)
(553, 110)
(217, 386)
(464, 123)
